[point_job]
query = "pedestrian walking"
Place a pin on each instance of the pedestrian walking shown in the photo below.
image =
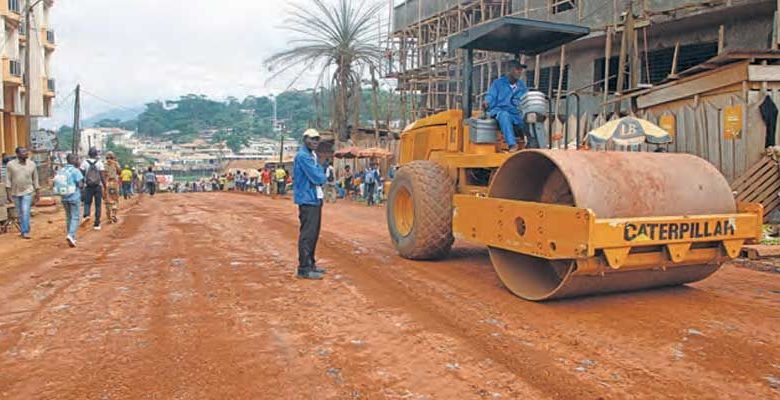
(111, 194)
(281, 180)
(22, 188)
(308, 195)
(67, 184)
(370, 179)
(150, 180)
(127, 182)
(348, 181)
(330, 185)
(94, 183)
(265, 178)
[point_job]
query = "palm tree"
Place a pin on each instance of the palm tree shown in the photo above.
(342, 35)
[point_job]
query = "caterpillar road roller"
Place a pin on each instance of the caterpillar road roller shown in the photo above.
(559, 223)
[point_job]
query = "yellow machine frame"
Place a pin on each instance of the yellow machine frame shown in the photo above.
(558, 232)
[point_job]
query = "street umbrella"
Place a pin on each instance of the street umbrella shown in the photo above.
(374, 152)
(347, 152)
(629, 131)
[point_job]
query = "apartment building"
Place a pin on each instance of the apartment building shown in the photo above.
(16, 40)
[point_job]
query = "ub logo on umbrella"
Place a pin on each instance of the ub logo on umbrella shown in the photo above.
(629, 131)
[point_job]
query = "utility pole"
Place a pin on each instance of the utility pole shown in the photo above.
(77, 121)
(28, 8)
(281, 150)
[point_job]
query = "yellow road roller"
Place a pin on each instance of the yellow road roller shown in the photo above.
(559, 223)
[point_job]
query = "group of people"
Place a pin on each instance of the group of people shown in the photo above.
(267, 180)
(87, 182)
(365, 185)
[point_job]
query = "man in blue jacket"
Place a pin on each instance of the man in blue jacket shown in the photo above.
(307, 188)
(503, 99)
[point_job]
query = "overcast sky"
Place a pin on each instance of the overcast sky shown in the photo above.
(130, 52)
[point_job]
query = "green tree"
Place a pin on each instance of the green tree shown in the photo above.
(343, 36)
(108, 123)
(65, 138)
(123, 154)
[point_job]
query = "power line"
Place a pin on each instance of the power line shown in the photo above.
(109, 102)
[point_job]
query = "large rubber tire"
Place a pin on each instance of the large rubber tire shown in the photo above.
(427, 188)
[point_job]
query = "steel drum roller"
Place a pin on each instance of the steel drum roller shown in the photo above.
(612, 185)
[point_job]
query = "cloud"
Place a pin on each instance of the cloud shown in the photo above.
(130, 52)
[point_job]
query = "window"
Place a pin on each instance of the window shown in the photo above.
(14, 6)
(559, 6)
(598, 75)
(660, 61)
(548, 79)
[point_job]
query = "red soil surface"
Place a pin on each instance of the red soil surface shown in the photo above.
(192, 296)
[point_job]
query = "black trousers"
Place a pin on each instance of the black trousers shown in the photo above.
(93, 193)
(151, 187)
(310, 217)
(370, 193)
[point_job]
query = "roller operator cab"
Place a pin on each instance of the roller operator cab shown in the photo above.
(559, 223)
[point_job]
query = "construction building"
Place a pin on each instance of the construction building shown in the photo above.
(705, 70)
(16, 40)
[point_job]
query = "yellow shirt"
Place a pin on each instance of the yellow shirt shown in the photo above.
(126, 175)
(280, 174)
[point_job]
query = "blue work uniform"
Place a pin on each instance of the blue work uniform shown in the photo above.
(503, 103)
(308, 178)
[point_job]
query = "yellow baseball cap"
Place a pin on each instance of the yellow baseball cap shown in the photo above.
(312, 133)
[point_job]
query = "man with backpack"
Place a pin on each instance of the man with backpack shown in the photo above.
(370, 179)
(94, 183)
(67, 184)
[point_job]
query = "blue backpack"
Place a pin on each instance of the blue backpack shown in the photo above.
(62, 184)
(371, 177)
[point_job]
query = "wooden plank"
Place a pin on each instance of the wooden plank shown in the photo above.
(727, 155)
(770, 207)
(681, 135)
(753, 193)
(765, 190)
(713, 135)
(759, 169)
(755, 181)
(702, 83)
(740, 158)
(690, 131)
(757, 251)
(765, 73)
(755, 136)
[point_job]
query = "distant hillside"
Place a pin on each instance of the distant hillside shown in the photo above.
(121, 114)
(235, 121)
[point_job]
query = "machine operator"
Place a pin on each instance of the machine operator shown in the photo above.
(503, 100)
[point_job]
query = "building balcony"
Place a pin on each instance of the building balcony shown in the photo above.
(11, 10)
(47, 37)
(49, 88)
(12, 71)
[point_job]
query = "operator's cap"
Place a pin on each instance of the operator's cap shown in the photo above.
(311, 133)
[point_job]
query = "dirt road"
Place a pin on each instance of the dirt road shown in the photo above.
(193, 296)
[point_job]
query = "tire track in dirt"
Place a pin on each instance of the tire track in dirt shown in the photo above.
(635, 356)
(194, 297)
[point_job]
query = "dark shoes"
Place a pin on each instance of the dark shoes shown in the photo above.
(320, 270)
(309, 274)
